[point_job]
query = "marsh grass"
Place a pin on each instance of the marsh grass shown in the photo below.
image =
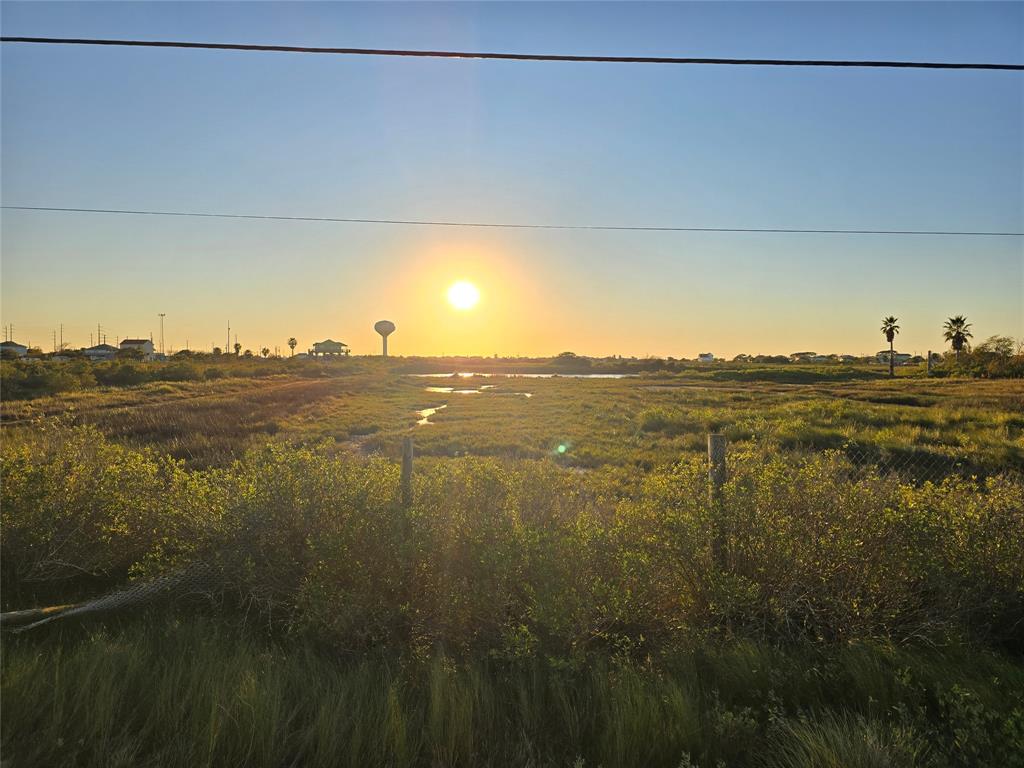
(531, 608)
(192, 690)
(930, 427)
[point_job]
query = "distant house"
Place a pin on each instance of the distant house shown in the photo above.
(100, 352)
(802, 357)
(899, 358)
(330, 347)
(13, 349)
(705, 357)
(144, 346)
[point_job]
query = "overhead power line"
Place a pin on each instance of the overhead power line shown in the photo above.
(510, 225)
(511, 56)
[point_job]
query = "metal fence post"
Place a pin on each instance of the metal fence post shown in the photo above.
(406, 484)
(716, 465)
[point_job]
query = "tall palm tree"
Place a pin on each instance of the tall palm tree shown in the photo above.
(265, 352)
(890, 329)
(957, 334)
(238, 349)
(292, 343)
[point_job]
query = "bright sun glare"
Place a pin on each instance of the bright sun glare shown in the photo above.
(463, 295)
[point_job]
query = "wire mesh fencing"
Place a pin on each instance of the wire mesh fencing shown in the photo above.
(908, 462)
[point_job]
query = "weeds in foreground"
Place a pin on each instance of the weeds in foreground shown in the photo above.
(165, 690)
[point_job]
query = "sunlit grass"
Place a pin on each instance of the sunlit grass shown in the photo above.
(177, 690)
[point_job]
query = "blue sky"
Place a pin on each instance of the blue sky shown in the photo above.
(525, 142)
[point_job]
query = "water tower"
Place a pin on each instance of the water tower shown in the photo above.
(385, 328)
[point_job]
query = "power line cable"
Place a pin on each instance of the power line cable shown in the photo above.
(509, 225)
(512, 56)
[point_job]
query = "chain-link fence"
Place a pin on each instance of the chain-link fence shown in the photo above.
(909, 463)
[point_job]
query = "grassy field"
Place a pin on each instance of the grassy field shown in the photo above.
(561, 591)
(640, 421)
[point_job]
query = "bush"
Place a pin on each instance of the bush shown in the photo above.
(33, 378)
(518, 558)
(121, 374)
(177, 371)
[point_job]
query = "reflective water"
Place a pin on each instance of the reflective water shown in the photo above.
(469, 374)
(426, 413)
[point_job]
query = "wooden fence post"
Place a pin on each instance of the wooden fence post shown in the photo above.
(928, 369)
(716, 465)
(716, 479)
(406, 484)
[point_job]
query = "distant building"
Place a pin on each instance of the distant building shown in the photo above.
(705, 357)
(899, 358)
(145, 346)
(330, 347)
(12, 349)
(100, 352)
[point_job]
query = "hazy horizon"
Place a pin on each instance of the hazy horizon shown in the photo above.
(492, 141)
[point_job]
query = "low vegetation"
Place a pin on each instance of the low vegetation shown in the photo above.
(176, 690)
(36, 376)
(562, 590)
(518, 613)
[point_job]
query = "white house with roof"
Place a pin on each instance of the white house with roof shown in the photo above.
(899, 358)
(100, 352)
(13, 349)
(144, 346)
(706, 357)
(330, 347)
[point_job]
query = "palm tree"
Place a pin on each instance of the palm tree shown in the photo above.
(292, 343)
(890, 329)
(265, 352)
(957, 334)
(238, 348)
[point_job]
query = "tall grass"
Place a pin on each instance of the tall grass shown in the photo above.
(518, 613)
(165, 690)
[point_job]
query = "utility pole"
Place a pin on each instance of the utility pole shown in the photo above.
(55, 341)
(62, 337)
(162, 316)
(227, 346)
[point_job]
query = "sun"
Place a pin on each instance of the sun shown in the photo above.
(463, 295)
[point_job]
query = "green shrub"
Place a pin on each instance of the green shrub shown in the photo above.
(516, 558)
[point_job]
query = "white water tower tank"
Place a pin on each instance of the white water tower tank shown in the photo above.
(385, 328)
